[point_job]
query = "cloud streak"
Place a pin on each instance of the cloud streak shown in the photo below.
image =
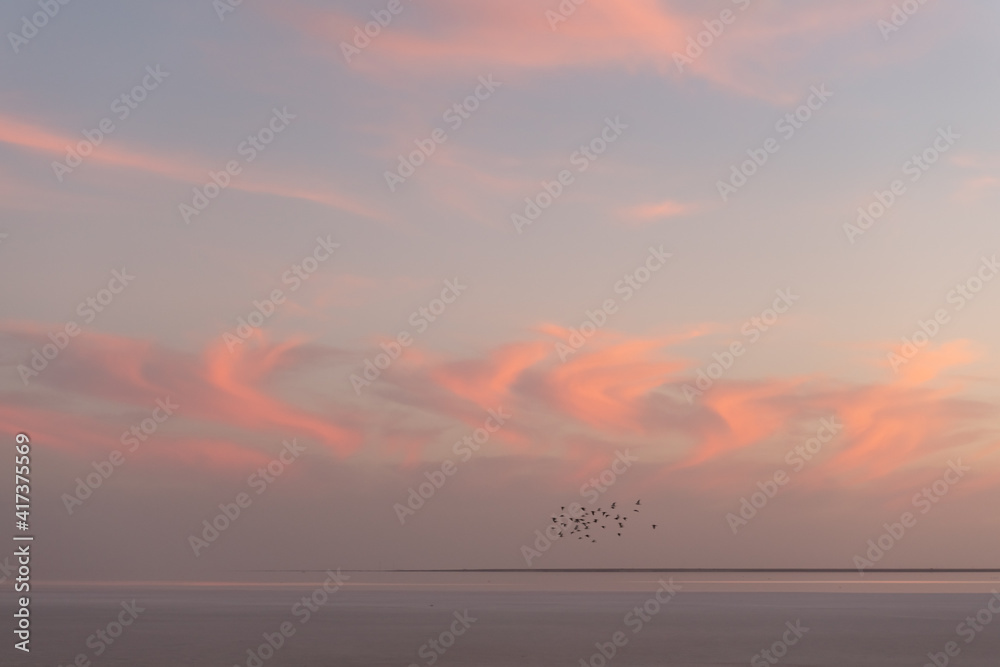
(37, 138)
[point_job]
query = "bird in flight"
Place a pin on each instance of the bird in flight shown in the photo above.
(580, 526)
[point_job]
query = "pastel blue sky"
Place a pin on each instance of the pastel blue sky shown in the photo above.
(343, 125)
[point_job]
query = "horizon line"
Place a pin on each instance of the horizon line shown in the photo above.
(658, 569)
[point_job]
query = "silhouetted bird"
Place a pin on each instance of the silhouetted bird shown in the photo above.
(638, 502)
(654, 526)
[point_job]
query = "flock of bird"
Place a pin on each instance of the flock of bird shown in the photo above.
(583, 526)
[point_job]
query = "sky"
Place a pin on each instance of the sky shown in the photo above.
(448, 266)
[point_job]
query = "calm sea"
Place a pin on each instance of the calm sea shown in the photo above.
(491, 619)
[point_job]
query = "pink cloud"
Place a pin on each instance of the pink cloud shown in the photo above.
(479, 35)
(187, 170)
(603, 385)
(517, 37)
(612, 391)
(669, 208)
(232, 389)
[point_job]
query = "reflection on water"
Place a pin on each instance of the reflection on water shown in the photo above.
(598, 581)
(524, 619)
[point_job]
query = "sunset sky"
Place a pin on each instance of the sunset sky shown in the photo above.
(122, 120)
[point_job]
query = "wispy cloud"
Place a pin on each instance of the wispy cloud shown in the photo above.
(33, 137)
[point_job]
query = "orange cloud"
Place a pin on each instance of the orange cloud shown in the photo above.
(227, 388)
(930, 362)
(85, 436)
(669, 208)
(604, 386)
(610, 386)
(760, 44)
(613, 391)
(53, 428)
(517, 34)
(747, 414)
(885, 426)
(487, 383)
(236, 377)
